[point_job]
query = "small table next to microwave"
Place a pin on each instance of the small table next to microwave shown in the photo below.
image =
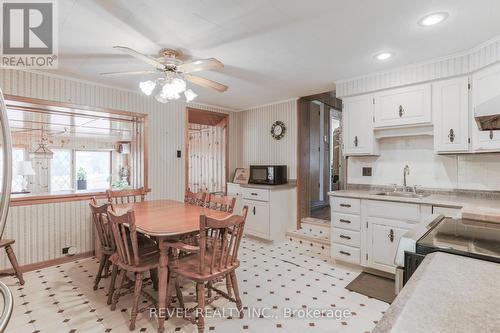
(272, 209)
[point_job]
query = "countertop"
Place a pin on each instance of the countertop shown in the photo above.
(486, 209)
(286, 186)
(447, 293)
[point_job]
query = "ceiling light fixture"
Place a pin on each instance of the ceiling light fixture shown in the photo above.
(433, 19)
(169, 88)
(383, 56)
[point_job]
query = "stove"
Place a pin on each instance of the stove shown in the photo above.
(464, 237)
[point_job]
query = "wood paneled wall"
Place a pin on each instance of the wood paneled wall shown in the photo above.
(42, 230)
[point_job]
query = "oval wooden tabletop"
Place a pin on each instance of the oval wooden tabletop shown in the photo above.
(168, 217)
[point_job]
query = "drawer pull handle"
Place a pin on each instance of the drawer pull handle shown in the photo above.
(253, 193)
(401, 111)
(253, 210)
(344, 253)
(345, 237)
(344, 221)
(345, 205)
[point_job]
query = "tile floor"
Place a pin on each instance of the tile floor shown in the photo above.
(275, 278)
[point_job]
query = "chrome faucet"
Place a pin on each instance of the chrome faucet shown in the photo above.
(406, 172)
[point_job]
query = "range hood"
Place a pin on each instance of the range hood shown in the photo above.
(487, 115)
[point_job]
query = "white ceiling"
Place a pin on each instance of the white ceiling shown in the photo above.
(272, 49)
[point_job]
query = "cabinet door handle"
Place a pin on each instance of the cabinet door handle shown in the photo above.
(345, 205)
(356, 141)
(391, 235)
(344, 221)
(253, 210)
(491, 135)
(451, 135)
(401, 111)
(344, 253)
(253, 193)
(345, 237)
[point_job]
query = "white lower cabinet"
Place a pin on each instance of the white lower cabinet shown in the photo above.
(367, 232)
(257, 222)
(271, 210)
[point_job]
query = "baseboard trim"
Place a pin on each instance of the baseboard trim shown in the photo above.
(47, 263)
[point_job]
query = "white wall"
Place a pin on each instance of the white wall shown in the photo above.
(473, 171)
(258, 147)
(41, 231)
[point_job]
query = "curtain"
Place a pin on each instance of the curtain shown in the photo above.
(207, 160)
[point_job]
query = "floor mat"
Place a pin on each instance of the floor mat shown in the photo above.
(378, 287)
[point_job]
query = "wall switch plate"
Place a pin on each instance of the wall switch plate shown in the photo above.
(179, 154)
(367, 171)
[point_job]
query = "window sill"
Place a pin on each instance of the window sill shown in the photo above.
(43, 198)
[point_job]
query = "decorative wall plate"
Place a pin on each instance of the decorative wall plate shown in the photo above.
(278, 130)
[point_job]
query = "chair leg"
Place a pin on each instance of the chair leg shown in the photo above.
(106, 267)
(116, 296)
(102, 263)
(200, 309)
(209, 289)
(153, 273)
(228, 285)
(14, 263)
(172, 280)
(234, 283)
(178, 292)
(137, 296)
(114, 272)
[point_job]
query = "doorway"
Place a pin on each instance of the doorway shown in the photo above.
(320, 158)
(206, 151)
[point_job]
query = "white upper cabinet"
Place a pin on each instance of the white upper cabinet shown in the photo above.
(450, 108)
(403, 107)
(358, 134)
(485, 86)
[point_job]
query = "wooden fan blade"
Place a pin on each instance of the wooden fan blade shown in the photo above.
(201, 81)
(201, 65)
(129, 73)
(147, 59)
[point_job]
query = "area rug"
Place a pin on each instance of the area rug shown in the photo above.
(374, 286)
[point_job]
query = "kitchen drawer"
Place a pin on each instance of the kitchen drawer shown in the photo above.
(255, 194)
(346, 221)
(393, 210)
(346, 237)
(346, 253)
(234, 189)
(345, 205)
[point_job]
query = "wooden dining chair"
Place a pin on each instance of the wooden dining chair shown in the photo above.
(195, 198)
(7, 244)
(130, 257)
(220, 202)
(103, 230)
(215, 257)
(126, 196)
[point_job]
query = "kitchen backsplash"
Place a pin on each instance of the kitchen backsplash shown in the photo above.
(466, 171)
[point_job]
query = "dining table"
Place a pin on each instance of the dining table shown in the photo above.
(166, 221)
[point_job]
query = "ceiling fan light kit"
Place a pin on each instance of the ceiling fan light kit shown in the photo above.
(172, 84)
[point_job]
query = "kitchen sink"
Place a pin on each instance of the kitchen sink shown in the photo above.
(403, 194)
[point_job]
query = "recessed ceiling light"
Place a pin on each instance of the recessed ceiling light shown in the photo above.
(383, 55)
(433, 19)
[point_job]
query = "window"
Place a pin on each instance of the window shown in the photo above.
(60, 170)
(97, 167)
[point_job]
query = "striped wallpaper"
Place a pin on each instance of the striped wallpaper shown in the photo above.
(258, 147)
(41, 231)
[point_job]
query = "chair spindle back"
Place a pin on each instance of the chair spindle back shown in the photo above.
(223, 242)
(193, 198)
(126, 196)
(102, 226)
(223, 203)
(125, 237)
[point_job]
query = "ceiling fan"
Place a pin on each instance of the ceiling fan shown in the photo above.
(174, 74)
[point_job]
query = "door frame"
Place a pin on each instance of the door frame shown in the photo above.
(210, 118)
(303, 148)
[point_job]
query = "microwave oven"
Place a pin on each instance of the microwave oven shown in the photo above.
(268, 174)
